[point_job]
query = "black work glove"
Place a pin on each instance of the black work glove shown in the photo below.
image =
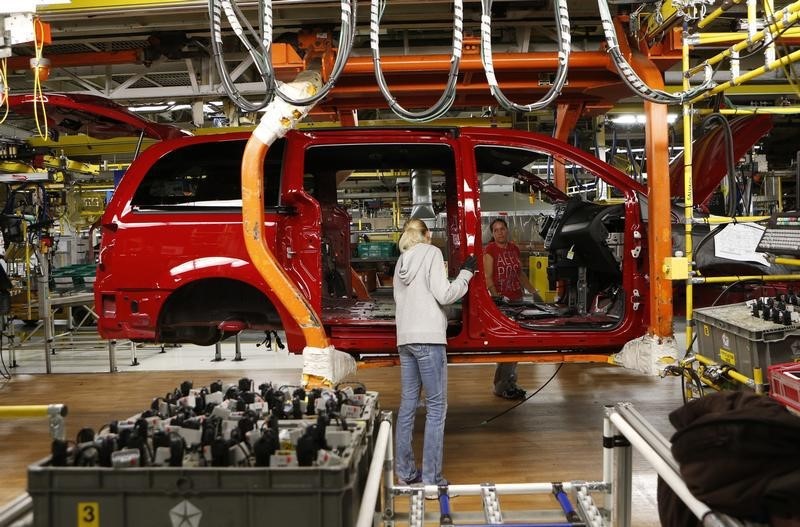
(470, 263)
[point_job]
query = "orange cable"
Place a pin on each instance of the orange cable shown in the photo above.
(5, 90)
(38, 95)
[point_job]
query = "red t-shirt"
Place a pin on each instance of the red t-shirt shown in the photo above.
(506, 270)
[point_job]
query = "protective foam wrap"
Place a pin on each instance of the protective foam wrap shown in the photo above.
(279, 116)
(329, 364)
(648, 354)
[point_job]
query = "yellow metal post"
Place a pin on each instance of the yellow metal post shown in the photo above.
(688, 193)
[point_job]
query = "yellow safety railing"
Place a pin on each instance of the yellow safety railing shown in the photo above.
(756, 110)
(688, 192)
(717, 13)
(779, 22)
(55, 412)
(756, 383)
(786, 17)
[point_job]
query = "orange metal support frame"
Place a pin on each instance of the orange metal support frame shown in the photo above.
(567, 115)
(483, 358)
(658, 198)
(263, 258)
(593, 80)
(659, 228)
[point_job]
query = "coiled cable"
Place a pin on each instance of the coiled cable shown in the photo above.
(564, 46)
(448, 96)
(215, 8)
(730, 162)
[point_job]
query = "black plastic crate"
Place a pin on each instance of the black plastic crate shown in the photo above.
(230, 496)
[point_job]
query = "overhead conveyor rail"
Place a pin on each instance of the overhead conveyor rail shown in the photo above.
(624, 430)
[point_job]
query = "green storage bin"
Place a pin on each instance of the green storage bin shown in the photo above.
(377, 250)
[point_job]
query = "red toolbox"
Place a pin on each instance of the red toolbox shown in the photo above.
(784, 384)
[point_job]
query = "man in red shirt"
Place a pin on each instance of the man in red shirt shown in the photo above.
(505, 280)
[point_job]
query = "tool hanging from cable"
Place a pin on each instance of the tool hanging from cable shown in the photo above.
(346, 36)
(440, 108)
(564, 46)
(41, 71)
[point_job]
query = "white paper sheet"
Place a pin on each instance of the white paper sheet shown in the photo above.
(738, 241)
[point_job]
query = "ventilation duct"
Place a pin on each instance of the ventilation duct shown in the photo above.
(422, 194)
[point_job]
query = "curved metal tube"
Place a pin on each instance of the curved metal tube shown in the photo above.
(445, 101)
(279, 118)
(261, 255)
(564, 48)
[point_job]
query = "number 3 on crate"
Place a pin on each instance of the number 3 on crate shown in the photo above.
(88, 514)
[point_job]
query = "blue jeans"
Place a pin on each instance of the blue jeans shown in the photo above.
(421, 365)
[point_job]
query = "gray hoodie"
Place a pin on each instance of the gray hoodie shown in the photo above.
(421, 289)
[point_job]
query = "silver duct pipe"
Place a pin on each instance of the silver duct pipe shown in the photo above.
(422, 194)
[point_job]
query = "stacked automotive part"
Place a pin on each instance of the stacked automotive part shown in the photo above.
(226, 454)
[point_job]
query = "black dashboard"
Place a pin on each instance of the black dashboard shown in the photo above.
(581, 229)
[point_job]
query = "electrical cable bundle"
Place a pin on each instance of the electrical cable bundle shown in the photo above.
(259, 47)
(632, 79)
(215, 9)
(564, 46)
(440, 107)
(788, 70)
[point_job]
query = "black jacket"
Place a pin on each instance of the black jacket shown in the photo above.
(739, 453)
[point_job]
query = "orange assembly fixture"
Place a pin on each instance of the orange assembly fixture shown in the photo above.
(253, 225)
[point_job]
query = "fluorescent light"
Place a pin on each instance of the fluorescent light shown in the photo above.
(153, 108)
(639, 118)
(628, 118)
(169, 105)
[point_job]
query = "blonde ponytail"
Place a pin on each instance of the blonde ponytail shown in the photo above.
(414, 232)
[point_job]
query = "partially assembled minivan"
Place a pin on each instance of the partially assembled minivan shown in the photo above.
(173, 266)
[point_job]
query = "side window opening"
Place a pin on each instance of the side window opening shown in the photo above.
(366, 193)
(570, 244)
(206, 176)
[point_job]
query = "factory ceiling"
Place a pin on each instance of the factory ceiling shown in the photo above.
(156, 55)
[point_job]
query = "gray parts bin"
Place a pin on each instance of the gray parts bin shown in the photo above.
(202, 497)
(732, 335)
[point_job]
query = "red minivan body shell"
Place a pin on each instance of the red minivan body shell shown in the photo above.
(145, 256)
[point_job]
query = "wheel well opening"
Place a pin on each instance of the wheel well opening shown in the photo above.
(209, 302)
